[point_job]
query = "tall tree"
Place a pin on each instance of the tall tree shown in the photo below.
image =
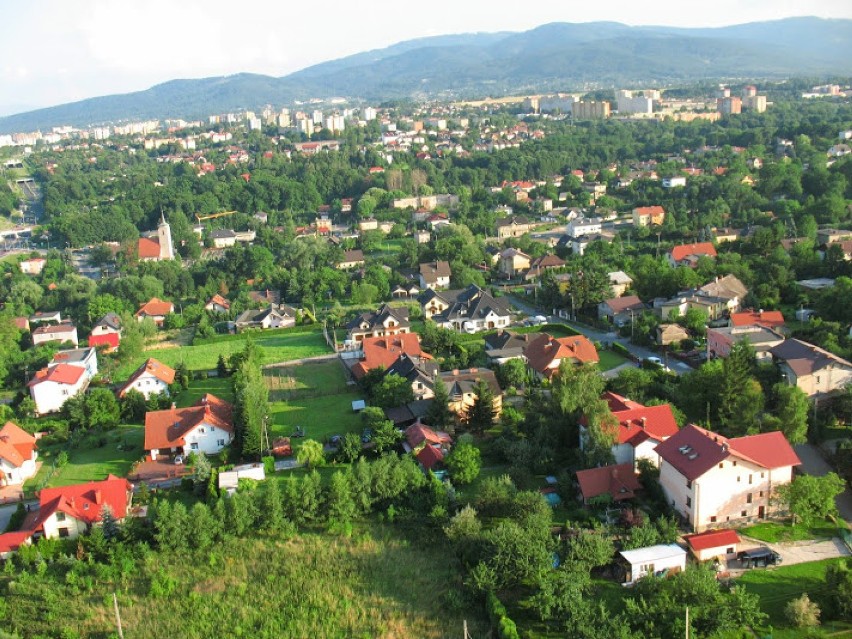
(480, 415)
(439, 414)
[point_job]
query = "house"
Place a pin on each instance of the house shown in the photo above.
(11, 541)
(770, 319)
(711, 544)
(470, 310)
(728, 287)
(435, 275)
(512, 262)
(541, 264)
(351, 259)
(668, 334)
(460, 385)
(223, 238)
(762, 338)
(106, 332)
(69, 511)
(620, 282)
(513, 226)
(688, 254)
(65, 332)
(580, 244)
(674, 182)
(385, 321)
(85, 358)
(156, 309)
(813, 369)
(504, 345)
(51, 387)
(617, 483)
(384, 351)
(281, 316)
(46, 316)
(405, 291)
(217, 304)
(265, 296)
(419, 371)
(720, 297)
(33, 266)
(17, 455)
(545, 353)
(151, 378)
(652, 560)
(713, 481)
(620, 310)
(229, 481)
(158, 247)
(648, 216)
(638, 429)
(581, 226)
(428, 446)
(207, 427)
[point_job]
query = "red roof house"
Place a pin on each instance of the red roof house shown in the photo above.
(688, 254)
(207, 427)
(156, 309)
(713, 543)
(545, 353)
(769, 319)
(619, 482)
(150, 378)
(17, 455)
(384, 351)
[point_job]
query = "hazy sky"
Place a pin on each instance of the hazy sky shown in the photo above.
(56, 51)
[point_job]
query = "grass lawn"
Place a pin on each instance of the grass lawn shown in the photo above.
(121, 448)
(610, 360)
(310, 379)
(776, 531)
(221, 387)
(277, 347)
(777, 586)
(320, 417)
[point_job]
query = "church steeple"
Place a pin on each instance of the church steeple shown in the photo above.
(164, 235)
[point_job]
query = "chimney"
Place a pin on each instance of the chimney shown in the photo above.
(644, 421)
(99, 497)
(455, 371)
(474, 370)
(174, 406)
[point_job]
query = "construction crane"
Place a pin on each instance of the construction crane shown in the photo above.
(213, 216)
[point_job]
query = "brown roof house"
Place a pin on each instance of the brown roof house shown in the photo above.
(207, 427)
(620, 310)
(156, 309)
(545, 353)
(610, 483)
(435, 275)
(811, 368)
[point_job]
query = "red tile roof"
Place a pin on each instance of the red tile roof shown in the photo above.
(221, 301)
(417, 434)
(85, 501)
(770, 319)
(429, 456)
(635, 425)
(11, 541)
(384, 351)
(16, 444)
(622, 304)
(151, 367)
(148, 248)
(619, 481)
(544, 350)
(649, 210)
(167, 428)
(59, 374)
(712, 539)
(22, 323)
(154, 307)
(685, 250)
(770, 450)
(109, 339)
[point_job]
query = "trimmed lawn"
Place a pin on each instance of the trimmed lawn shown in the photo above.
(320, 417)
(221, 387)
(774, 531)
(96, 457)
(777, 586)
(308, 379)
(277, 347)
(610, 360)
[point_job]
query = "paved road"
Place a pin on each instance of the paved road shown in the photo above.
(799, 552)
(676, 366)
(813, 463)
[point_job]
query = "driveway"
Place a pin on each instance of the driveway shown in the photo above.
(799, 552)
(813, 463)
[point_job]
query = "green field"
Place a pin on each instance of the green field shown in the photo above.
(96, 457)
(775, 531)
(610, 360)
(777, 586)
(221, 387)
(374, 584)
(277, 347)
(309, 379)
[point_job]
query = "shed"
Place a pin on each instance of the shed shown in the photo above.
(713, 543)
(229, 480)
(652, 560)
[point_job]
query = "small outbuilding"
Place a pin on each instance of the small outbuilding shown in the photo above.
(652, 560)
(713, 543)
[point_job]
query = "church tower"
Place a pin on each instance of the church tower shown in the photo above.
(164, 235)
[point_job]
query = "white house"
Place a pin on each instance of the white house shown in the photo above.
(151, 378)
(651, 560)
(65, 332)
(229, 481)
(469, 310)
(584, 226)
(205, 428)
(85, 358)
(17, 455)
(33, 266)
(673, 182)
(52, 387)
(716, 482)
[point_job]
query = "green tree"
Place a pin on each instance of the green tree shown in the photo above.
(310, 454)
(350, 447)
(102, 409)
(464, 462)
(340, 503)
(480, 415)
(271, 507)
(802, 612)
(109, 524)
(810, 498)
(791, 410)
(741, 397)
(439, 414)
(394, 390)
(133, 406)
(385, 436)
(512, 373)
(838, 585)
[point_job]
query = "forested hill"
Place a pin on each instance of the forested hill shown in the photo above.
(559, 56)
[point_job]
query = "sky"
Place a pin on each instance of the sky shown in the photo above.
(58, 51)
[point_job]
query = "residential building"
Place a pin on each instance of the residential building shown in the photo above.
(541, 264)
(223, 238)
(674, 181)
(421, 373)
(156, 309)
(151, 378)
(512, 263)
(265, 297)
(620, 282)
(51, 387)
(590, 110)
(713, 544)
(721, 340)
(160, 247)
(106, 332)
(584, 226)
(69, 511)
(470, 310)
(652, 560)
(688, 254)
(217, 304)
(207, 427)
(713, 481)
(730, 105)
(428, 446)
(85, 358)
(461, 385)
(513, 226)
(545, 353)
(435, 275)
(17, 455)
(614, 483)
(620, 310)
(280, 316)
(504, 345)
(648, 216)
(382, 352)
(351, 259)
(668, 334)
(770, 319)
(385, 321)
(33, 266)
(813, 369)
(62, 333)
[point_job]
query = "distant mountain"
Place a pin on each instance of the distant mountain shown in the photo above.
(558, 56)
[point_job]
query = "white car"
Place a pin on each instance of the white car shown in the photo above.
(656, 361)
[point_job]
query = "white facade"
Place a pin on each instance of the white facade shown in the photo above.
(204, 438)
(61, 524)
(584, 226)
(60, 334)
(148, 385)
(653, 559)
(16, 475)
(672, 182)
(49, 396)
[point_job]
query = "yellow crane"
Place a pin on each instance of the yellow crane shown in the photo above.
(213, 216)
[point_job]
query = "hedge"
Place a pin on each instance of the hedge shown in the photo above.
(506, 628)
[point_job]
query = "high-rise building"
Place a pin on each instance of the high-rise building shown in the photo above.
(591, 110)
(730, 105)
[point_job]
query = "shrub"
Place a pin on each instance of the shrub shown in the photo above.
(802, 612)
(268, 464)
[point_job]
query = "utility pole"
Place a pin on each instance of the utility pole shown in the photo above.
(687, 622)
(117, 616)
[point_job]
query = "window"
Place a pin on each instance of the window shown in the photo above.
(713, 519)
(760, 494)
(201, 429)
(739, 478)
(689, 483)
(220, 442)
(762, 475)
(743, 513)
(748, 498)
(194, 445)
(86, 506)
(63, 532)
(734, 463)
(817, 379)
(688, 502)
(722, 465)
(749, 477)
(60, 516)
(729, 551)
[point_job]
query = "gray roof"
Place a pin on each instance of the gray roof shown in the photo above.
(469, 303)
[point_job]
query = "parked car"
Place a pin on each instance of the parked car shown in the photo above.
(657, 363)
(760, 557)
